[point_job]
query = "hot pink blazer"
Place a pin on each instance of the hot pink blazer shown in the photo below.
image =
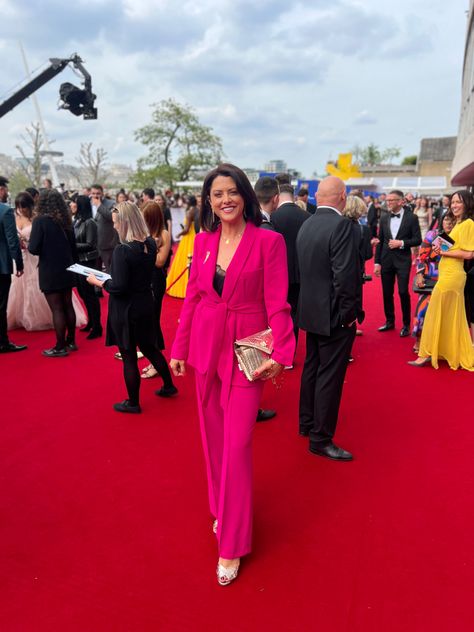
(254, 297)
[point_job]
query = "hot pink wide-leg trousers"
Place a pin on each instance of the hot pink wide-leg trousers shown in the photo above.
(226, 433)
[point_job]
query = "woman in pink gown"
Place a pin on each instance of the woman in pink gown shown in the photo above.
(27, 306)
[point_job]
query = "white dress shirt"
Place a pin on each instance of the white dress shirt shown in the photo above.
(395, 225)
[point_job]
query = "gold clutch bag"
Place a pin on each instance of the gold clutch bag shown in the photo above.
(252, 351)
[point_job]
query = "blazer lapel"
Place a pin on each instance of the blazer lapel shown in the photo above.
(403, 223)
(238, 261)
(389, 228)
(209, 258)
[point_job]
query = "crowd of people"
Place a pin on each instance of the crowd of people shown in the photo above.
(249, 259)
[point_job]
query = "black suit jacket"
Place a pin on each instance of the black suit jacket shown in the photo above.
(287, 220)
(329, 272)
(311, 208)
(373, 219)
(409, 232)
(107, 237)
(9, 242)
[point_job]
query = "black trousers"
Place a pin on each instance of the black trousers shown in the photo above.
(91, 300)
(5, 283)
(322, 381)
(105, 259)
(401, 272)
(469, 294)
(131, 373)
(292, 298)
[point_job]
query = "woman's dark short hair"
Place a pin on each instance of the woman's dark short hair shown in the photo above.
(84, 207)
(467, 199)
(192, 201)
(252, 213)
(25, 202)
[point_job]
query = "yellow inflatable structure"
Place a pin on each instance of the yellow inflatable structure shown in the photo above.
(343, 168)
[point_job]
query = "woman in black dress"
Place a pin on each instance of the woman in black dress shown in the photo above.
(155, 222)
(130, 321)
(52, 239)
(85, 230)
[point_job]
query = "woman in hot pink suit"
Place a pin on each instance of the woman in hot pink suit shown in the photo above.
(237, 287)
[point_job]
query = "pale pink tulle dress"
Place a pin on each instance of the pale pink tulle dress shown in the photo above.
(27, 305)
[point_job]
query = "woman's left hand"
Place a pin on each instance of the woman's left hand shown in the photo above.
(93, 280)
(268, 370)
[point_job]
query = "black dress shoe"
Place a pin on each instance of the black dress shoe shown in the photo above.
(265, 415)
(87, 327)
(387, 327)
(127, 407)
(94, 333)
(10, 347)
(71, 346)
(331, 451)
(166, 391)
(404, 332)
(55, 353)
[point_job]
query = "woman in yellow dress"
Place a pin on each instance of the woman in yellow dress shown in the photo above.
(177, 279)
(446, 333)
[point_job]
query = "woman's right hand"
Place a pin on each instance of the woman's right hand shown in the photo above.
(178, 367)
(420, 280)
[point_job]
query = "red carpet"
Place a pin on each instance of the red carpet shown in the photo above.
(103, 517)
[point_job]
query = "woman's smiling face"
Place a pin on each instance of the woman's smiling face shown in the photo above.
(226, 201)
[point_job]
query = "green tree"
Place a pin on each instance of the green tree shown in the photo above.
(177, 145)
(390, 153)
(370, 155)
(410, 160)
(18, 182)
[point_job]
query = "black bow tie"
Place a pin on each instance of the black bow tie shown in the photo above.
(397, 215)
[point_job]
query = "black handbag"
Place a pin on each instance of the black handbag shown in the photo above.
(426, 289)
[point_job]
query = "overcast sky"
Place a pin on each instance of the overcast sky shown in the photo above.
(300, 81)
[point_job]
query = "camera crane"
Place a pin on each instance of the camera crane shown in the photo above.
(79, 102)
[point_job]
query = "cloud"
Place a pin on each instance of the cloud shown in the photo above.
(273, 78)
(365, 118)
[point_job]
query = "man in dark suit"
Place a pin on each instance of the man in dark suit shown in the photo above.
(399, 231)
(9, 251)
(440, 211)
(373, 215)
(107, 237)
(303, 195)
(287, 220)
(268, 196)
(327, 311)
(267, 192)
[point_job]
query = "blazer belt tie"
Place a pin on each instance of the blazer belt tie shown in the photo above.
(222, 310)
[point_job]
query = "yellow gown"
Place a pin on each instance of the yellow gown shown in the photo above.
(174, 286)
(445, 333)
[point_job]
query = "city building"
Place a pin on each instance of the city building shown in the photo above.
(462, 174)
(430, 176)
(276, 166)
